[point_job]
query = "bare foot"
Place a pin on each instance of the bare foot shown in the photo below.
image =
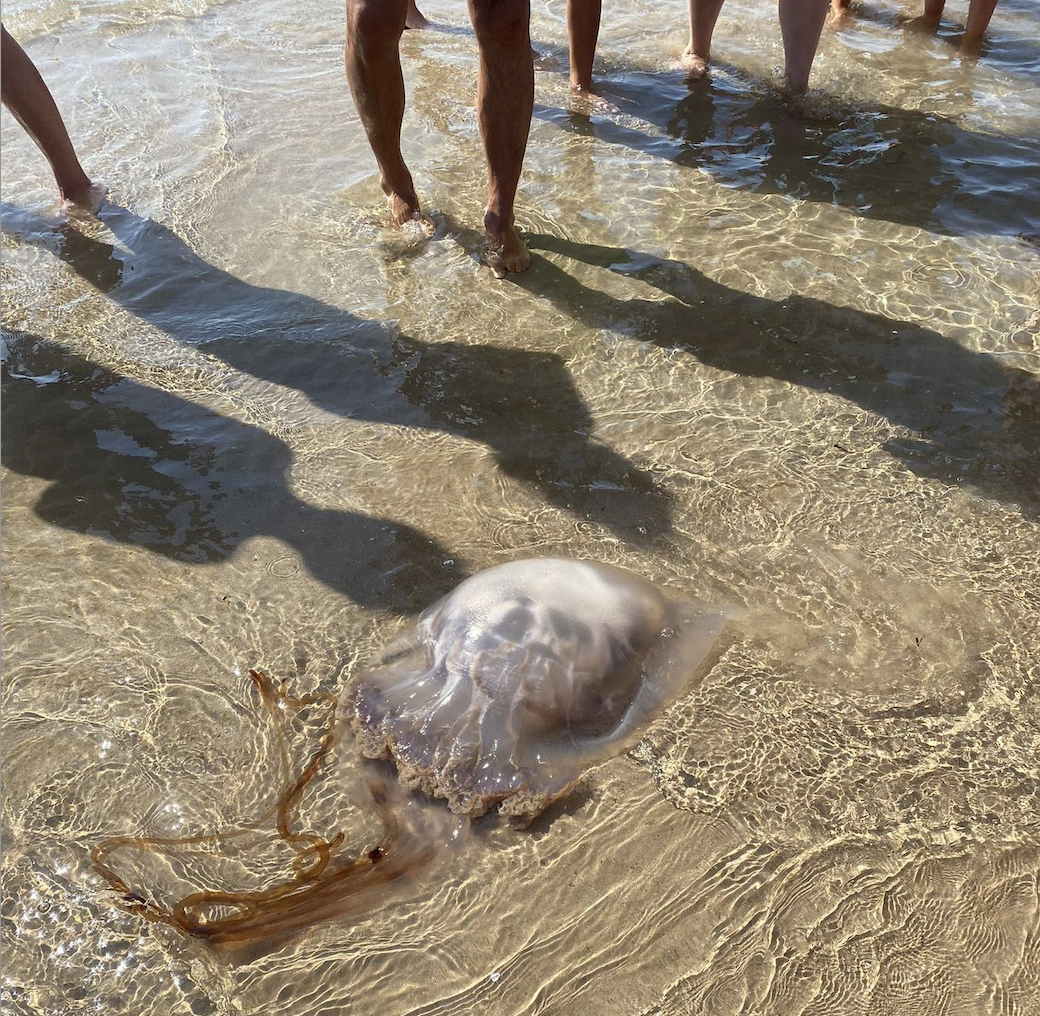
(505, 251)
(922, 23)
(404, 205)
(546, 61)
(85, 199)
(405, 211)
(585, 100)
(840, 12)
(971, 47)
(414, 18)
(696, 67)
(421, 224)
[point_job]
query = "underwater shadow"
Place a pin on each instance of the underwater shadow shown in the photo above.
(977, 420)
(1004, 48)
(131, 463)
(882, 162)
(521, 404)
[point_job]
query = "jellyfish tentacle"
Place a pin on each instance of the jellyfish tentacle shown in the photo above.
(319, 883)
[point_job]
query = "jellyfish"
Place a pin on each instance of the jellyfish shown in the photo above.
(503, 693)
(525, 675)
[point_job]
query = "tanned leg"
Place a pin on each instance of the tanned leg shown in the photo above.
(933, 10)
(414, 18)
(505, 101)
(582, 32)
(703, 15)
(374, 30)
(929, 20)
(801, 22)
(26, 95)
(979, 14)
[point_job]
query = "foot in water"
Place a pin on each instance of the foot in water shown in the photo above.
(585, 100)
(404, 208)
(695, 67)
(88, 198)
(505, 252)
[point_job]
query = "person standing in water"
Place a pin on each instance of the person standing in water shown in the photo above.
(583, 17)
(26, 95)
(505, 100)
(979, 14)
(801, 23)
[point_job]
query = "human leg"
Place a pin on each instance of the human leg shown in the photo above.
(703, 15)
(414, 18)
(583, 18)
(933, 10)
(801, 22)
(26, 95)
(505, 101)
(373, 65)
(979, 14)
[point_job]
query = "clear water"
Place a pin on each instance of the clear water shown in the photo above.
(788, 364)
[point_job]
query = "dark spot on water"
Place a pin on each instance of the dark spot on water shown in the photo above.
(375, 855)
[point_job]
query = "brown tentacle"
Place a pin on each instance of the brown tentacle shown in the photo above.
(319, 883)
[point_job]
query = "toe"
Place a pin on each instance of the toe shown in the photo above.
(518, 261)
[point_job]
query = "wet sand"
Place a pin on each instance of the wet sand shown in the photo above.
(786, 364)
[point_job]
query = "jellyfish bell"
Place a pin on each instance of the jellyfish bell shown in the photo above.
(512, 685)
(503, 693)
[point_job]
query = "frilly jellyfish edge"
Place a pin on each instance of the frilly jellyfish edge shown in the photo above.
(525, 675)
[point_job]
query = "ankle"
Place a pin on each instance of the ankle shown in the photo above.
(76, 188)
(400, 188)
(796, 81)
(496, 222)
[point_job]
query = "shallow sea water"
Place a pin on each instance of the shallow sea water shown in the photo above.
(786, 362)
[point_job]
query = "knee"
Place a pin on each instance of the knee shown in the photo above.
(505, 24)
(375, 21)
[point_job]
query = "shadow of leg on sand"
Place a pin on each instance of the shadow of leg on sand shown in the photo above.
(977, 420)
(918, 169)
(521, 404)
(134, 464)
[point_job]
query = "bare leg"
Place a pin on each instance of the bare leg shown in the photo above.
(929, 20)
(26, 95)
(703, 15)
(801, 22)
(979, 14)
(505, 101)
(414, 18)
(582, 31)
(374, 30)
